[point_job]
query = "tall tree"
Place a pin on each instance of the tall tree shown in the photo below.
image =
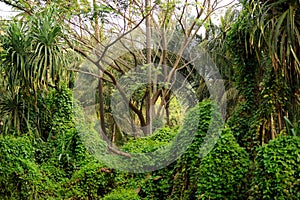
(277, 37)
(33, 59)
(265, 47)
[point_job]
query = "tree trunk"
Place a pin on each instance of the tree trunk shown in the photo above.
(148, 62)
(100, 82)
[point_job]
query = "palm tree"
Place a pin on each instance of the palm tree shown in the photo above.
(33, 58)
(275, 37)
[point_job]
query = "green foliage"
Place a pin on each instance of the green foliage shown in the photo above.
(44, 156)
(122, 194)
(55, 165)
(196, 124)
(158, 184)
(169, 182)
(58, 168)
(158, 139)
(53, 113)
(33, 59)
(12, 112)
(60, 104)
(91, 181)
(20, 176)
(245, 66)
(154, 185)
(277, 170)
(223, 172)
(264, 42)
(33, 56)
(57, 128)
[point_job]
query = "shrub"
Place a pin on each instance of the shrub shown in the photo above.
(220, 173)
(20, 176)
(223, 172)
(92, 180)
(154, 185)
(277, 170)
(192, 134)
(158, 139)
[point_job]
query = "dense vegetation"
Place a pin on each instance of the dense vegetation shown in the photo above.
(242, 144)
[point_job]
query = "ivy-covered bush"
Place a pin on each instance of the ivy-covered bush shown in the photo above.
(55, 165)
(277, 170)
(154, 185)
(178, 178)
(158, 184)
(223, 172)
(20, 176)
(159, 138)
(55, 112)
(196, 125)
(92, 180)
(60, 145)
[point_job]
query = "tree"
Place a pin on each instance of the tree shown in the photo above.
(277, 34)
(168, 20)
(33, 59)
(116, 21)
(262, 43)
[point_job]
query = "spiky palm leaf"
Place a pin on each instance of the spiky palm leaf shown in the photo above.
(275, 36)
(15, 43)
(48, 58)
(278, 27)
(12, 111)
(32, 58)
